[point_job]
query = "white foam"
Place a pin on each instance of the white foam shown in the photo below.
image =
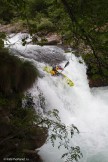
(78, 105)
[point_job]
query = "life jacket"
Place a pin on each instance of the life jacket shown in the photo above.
(53, 72)
(55, 69)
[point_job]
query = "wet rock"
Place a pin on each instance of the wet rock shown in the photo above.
(12, 28)
(32, 155)
(98, 82)
(53, 39)
(48, 54)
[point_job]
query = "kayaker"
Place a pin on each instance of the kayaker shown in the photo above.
(55, 69)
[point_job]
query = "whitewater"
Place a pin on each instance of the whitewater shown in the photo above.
(86, 108)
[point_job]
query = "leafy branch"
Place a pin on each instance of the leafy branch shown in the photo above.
(58, 130)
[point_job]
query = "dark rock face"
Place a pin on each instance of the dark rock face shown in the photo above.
(12, 143)
(37, 138)
(98, 83)
(33, 156)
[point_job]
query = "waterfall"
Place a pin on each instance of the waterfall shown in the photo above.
(83, 107)
(86, 108)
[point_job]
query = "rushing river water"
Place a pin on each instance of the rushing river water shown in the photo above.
(86, 108)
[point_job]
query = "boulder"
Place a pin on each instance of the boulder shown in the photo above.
(53, 39)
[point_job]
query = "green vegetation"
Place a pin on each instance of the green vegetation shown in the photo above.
(45, 24)
(93, 71)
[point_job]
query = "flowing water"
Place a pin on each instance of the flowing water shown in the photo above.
(86, 108)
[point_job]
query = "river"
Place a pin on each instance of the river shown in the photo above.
(86, 108)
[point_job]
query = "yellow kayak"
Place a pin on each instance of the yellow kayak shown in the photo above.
(48, 69)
